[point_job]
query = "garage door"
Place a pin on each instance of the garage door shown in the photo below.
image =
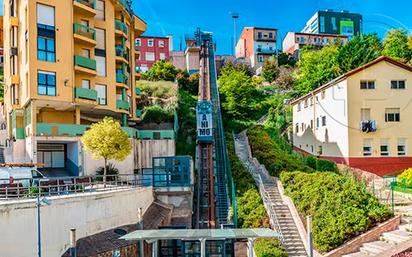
(51, 155)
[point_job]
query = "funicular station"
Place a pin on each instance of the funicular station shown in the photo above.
(213, 229)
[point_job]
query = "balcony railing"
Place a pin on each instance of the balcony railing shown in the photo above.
(266, 51)
(122, 77)
(138, 91)
(122, 105)
(54, 129)
(121, 52)
(84, 62)
(85, 93)
(83, 30)
(119, 25)
(368, 126)
(88, 3)
(157, 134)
(139, 113)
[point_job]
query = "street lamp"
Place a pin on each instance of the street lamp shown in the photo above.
(39, 202)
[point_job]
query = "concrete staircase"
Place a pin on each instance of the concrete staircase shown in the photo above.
(292, 240)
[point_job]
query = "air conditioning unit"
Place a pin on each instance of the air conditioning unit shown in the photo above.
(13, 51)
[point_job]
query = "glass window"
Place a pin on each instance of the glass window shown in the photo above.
(150, 56)
(45, 15)
(46, 43)
(162, 56)
(260, 58)
(297, 127)
(384, 147)
(86, 83)
(334, 25)
(323, 121)
(150, 42)
(138, 42)
(367, 147)
(260, 35)
(401, 147)
(367, 84)
(101, 66)
(46, 83)
(100, 13)
(100, 38)
(365, 114)
(398, 84)
(392, 115)
(101, 94)
(161, 43)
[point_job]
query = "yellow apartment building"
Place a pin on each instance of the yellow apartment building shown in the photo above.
(361, 119)
(68, 63)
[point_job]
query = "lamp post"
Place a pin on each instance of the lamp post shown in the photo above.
(39, 202)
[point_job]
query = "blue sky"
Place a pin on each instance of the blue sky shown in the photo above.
(181, 17)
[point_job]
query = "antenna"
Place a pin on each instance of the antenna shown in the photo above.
(235, 17)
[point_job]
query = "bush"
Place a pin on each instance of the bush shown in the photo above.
(156, 114)
(340, 206)
(270, 70)
(251, 212)
(406, 176)
(161, 70)
(111, 172)
(325, 165)
(268, 247)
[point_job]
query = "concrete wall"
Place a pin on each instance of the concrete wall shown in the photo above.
(89, 214)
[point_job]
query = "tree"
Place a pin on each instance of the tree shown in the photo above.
(396, 45)
(359, 51)
(286, 79)
(317, 67)
(161, 70)
(270, 70)
(106, 140)
(286, 60)
(188, 82)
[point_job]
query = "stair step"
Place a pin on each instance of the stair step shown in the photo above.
(396, 236)
(375, 247)
(357, 254)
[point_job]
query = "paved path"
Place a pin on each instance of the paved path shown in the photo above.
(277, 209)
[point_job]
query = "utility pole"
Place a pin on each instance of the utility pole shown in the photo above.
(235, 17)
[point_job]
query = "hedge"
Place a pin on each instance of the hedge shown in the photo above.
(321, 165)
(341, 207)
(269, 248)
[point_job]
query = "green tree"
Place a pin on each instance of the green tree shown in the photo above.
(270, 70)
(286, 60)
(317, 67)
(359, 51)
(106, 140)
(161, 70)
(187, 82)
(396, 45)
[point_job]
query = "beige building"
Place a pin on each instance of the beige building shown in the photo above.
(360, 119)
(256, 45)
(69, 63)
(294, 41)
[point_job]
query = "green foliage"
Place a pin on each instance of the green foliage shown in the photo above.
(269, 247)
(396, 45)
(286, 60)
(157, 114)
(241, 67)
(161, 70)
(340, 206)
(286, 79)
(359, 51)
(159, 89)
(317, 67)
(405, 178)
(189, 83)
(270, 70)
(186, 137)
(275, 155)
(111, 170)
(320, 165)
(251, 212)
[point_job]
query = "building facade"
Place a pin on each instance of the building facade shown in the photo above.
(360, 119)
(295, 41)
(256, 45)
(152, 49)
(68, 64)
(342, 23)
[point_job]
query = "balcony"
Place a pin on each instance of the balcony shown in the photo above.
(124, 4)
(121, 54)
(122, 78)
(120, 26)
(122, 105)
(368, 126)
(54, 129)
(265, 51)
(85, 65)
(139, 113)
(138, 91)
(84, 34)
(85, 93)
(85, 7)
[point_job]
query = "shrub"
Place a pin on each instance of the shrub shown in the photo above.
(406, 175)
(156, 114)
(325, 165)
(268, 247)
(340, 206)
(251, 212)
(161, 70)
(111, 172)
(311, 161)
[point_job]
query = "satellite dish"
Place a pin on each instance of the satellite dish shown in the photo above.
(120, 232)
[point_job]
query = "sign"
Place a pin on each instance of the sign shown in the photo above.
(204, 122)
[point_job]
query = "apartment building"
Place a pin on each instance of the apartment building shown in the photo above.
(360, 119)
(294, 41)
(152, 49)
(68, 64)
(256, 45)
(342, 23)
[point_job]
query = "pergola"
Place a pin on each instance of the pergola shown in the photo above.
(201, 235)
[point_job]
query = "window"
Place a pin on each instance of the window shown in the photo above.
(392, 115)
(384, 147)
(162, 56)
(365, 114)
(46, 83)
(85, 52)
(367, 84)
(161, 43)
(100, 38)
(260, 35)
(311, 124)
(46, 45)
(270, 35)
(317, 122)
(150, 56)
(398, 84)
(334, 25)
(401, 147)
(260, 58)
(323, 121)
(297, 127)
(138, 42)
(367, 147)
(150, 42)
(101, 94)
(100, 13)
(306, 102)
(322, 94)
(86, 83)
(303, 127)
(311, 101)
(101, 66)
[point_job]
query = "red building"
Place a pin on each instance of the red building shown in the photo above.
(152, 49)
